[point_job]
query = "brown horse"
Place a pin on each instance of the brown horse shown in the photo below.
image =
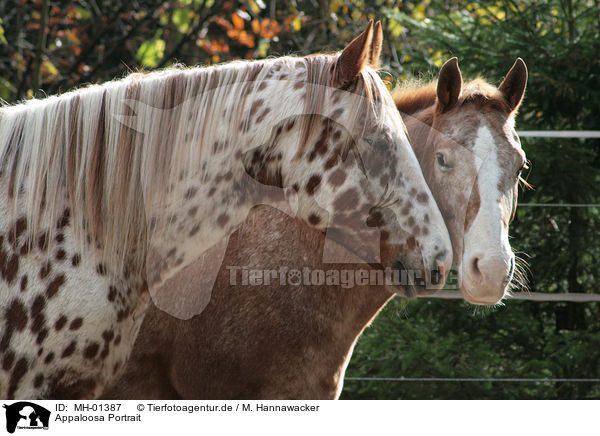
(287, 341)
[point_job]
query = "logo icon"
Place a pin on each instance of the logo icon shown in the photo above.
(26, 415)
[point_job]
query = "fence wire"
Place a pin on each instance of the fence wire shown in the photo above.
(531, 296)
(463, 379)
(559, 204)
(584, 134)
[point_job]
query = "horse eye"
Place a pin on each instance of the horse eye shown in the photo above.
(441, 160)
(379, 144)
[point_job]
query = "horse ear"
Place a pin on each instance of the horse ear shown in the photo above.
(354, 57)
(513, 85)
(262, 166)
(376, 45)
(449, 85)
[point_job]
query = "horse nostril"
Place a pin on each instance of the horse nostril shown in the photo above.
(440, 260)
(439, 270)
(475, 270)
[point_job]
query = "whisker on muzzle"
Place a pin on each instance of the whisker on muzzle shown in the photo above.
(520, 275)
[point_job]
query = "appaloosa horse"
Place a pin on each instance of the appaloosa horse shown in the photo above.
(108, 191)
(270, 342)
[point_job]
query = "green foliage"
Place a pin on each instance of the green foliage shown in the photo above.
(450, 339)
(2, 37)
(559, 40)
(151, 52)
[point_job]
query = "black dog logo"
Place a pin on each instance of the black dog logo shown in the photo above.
(26, 415)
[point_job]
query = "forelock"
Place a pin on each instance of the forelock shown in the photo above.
(482, 94)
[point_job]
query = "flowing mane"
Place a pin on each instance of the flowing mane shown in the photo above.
(413, 96)
(100, 150)
(111, 193)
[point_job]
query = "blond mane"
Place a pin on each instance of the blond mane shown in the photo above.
(101, 149)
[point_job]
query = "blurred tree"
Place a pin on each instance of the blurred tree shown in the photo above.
(54, 46)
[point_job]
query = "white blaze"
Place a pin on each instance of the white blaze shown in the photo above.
(487, 237)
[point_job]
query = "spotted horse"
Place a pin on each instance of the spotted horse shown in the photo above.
(108, 191)
(293, 341)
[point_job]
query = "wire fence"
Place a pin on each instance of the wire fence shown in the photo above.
(531, 296)
(559, 204)
(583, 134)
(474, 379)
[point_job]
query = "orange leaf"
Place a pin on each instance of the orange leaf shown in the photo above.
(238, 22)
(269, 28)
(223, 23)
(214, 47)
(246, 39)
(255, 26)
(71, 35)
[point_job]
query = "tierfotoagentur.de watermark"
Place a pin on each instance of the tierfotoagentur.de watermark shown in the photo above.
(345, 278)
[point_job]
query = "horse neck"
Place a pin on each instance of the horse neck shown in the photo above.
(354, 309)
(327, 319)
(361, 305)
